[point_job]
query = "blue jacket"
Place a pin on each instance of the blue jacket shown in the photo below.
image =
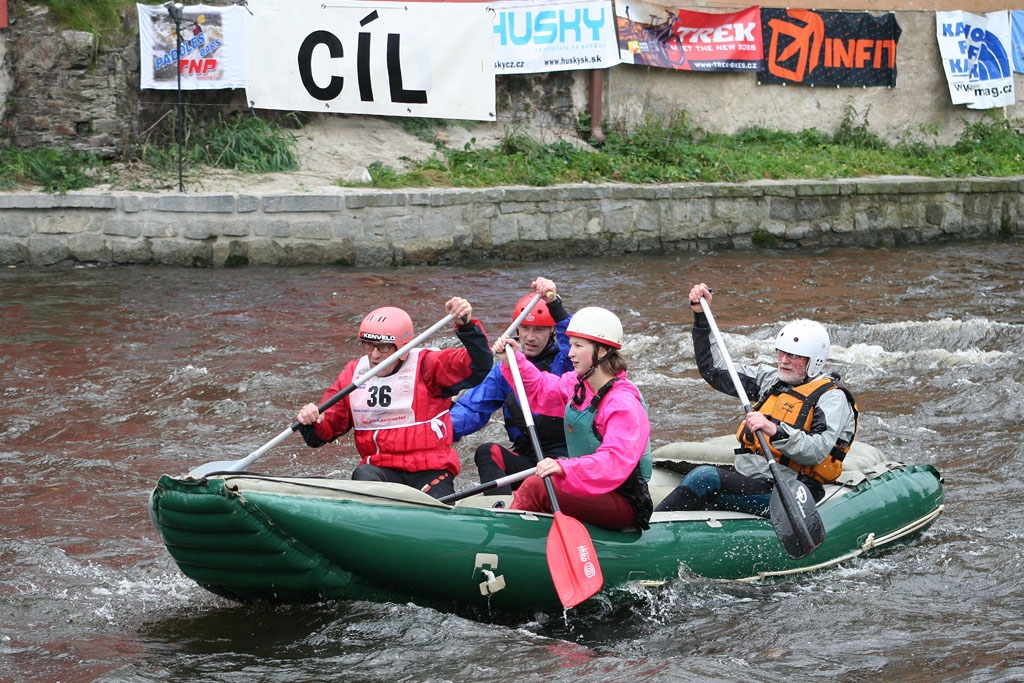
(474, 408)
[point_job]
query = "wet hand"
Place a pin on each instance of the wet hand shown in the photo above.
(460, 308)
(499, 345)
(696, 292)
(548, 466)
(309, 414)
(759, 422)
(546, 288)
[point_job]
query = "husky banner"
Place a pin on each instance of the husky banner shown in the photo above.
(829, 48)
(539, 36)
(1017, 39)
(975, 51)
(655, 35)
(212, 48)
(426, 59)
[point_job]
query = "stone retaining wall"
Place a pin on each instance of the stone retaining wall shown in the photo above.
(374, 228)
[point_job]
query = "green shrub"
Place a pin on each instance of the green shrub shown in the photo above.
(56, 170)
(250, 145)
(102, 18)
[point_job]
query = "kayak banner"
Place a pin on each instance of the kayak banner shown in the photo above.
(838, 49)
(690, 41)
(975, 51)
(423, 59)
(541, 36)
(212, 48)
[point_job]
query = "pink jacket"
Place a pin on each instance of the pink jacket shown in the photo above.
(621, 420)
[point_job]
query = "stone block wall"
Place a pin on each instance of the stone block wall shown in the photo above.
(378, 228)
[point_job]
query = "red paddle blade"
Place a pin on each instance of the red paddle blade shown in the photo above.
(572, 561)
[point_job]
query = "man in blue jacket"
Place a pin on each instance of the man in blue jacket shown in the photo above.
(544, 342)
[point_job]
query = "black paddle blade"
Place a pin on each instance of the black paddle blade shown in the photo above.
(795, 518)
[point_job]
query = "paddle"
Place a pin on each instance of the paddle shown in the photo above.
(792, 511)
(512, 478)
(242, 464)
(572, 559)
(488, 485)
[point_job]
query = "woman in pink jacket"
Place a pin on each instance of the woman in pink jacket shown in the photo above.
(603, 481)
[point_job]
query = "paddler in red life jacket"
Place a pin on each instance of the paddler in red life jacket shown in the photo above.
(603, 480)
(808, 417)
(543, 341)
(403, 431)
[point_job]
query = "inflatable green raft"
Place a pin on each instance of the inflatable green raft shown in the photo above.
(250, 536)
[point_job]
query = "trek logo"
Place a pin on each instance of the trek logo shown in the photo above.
(550, 26)
(336, 50)
(829, 48)
(739, 32)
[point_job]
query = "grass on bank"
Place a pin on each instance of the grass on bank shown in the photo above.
(249, 145)
(674, 151)
(654, 152)
(103, 18)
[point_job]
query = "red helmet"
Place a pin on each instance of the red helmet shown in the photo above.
(540, 316)
(387, 325)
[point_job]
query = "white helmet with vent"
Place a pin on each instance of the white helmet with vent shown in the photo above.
(808, 339)
(598, 325)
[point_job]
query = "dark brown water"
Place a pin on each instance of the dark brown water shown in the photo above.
(112, 377)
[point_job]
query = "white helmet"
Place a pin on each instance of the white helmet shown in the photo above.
(808, 339)
(598, 325)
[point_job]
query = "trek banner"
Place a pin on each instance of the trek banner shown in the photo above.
(422, 59)
(212, 48)
(1017, 39)
(539, 36)
(975, 52)
(851, 49)
(655, 35)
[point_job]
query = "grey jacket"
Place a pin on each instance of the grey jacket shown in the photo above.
(833, 420)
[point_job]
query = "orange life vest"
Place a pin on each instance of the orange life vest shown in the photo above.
(795, 406)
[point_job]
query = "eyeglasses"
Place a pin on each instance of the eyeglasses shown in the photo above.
(381, 348)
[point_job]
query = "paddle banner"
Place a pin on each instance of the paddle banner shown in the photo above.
(851, 49)
(975, 51)
(658, 35)
(422, 59)
(539, 36)
(212, 47)
(1017, 39)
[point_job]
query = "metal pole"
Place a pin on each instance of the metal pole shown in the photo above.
(174, 9)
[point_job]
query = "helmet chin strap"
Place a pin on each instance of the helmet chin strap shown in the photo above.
(580, 392)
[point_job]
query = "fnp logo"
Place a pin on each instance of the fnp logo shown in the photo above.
(983, 56)
(546, 27)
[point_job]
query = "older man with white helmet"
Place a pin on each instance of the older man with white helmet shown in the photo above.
(808, 418)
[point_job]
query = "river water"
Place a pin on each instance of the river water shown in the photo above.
(114, 376)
